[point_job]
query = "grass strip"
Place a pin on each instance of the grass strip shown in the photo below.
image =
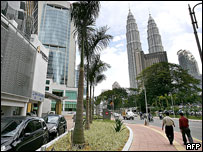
(101, 137)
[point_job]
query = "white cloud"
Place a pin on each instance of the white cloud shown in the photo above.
(119, 45)
(118, 38)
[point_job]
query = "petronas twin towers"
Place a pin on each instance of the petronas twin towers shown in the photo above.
(137, 60)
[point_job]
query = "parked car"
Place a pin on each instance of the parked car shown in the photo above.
(23, 133)
(57, 125)
(33, 113)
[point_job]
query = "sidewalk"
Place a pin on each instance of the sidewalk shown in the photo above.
(152, 138)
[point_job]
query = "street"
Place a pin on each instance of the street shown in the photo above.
(195, 126)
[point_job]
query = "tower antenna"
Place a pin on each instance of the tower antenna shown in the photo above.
(129, 6)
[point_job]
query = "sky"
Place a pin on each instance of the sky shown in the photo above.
(174, 24)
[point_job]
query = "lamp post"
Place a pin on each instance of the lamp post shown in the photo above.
(194, 22)
(146, 105)
(172, 106)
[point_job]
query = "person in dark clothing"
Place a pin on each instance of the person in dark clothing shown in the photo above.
(169, 123)
(184, 128)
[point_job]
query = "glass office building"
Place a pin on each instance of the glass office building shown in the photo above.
(55, 32)
(55, 35)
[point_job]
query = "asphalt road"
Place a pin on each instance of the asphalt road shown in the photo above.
(195, 126)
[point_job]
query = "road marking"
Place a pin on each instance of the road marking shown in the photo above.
(176, 144)
(197, 139)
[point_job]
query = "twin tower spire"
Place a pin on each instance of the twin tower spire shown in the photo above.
(153, 36)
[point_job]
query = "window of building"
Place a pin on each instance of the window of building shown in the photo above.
(72, 95)
(20, 15)
(53, 105)
(22, 5)
(47, 81)
(47, 88)
(70, 106)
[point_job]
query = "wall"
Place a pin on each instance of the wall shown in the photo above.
(17, 61)
(40, 67)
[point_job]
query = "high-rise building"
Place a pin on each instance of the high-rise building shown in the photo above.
(133, 48)
(24, 13)
(188, 62)
(137, 60)
(116, 85)
(56, 34)
(154, 38)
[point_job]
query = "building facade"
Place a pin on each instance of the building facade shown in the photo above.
(188, 62)
(133, 48)
(23, 70)
(116, 85)
(137, 60)
(154, 38)
(55, 31)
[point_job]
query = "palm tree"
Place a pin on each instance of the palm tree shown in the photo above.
(95, 42)
(95, 75)
(83, 14)
(98, 80)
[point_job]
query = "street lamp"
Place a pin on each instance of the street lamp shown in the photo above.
(146, 104)
(172, 106)
(194, 22)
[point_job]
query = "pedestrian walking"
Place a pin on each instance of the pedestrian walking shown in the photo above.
(169, 123)
(184, 128)
(141, 116)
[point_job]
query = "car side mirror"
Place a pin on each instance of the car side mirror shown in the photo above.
(27, 134)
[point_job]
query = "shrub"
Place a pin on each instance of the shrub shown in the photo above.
(119, 125)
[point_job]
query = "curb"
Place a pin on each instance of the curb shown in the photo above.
(129, 142)
(43, 147)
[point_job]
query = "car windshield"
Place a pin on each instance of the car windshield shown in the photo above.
(52, 119)
(9, 127)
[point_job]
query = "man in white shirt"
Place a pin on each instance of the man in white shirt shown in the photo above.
(169, 123)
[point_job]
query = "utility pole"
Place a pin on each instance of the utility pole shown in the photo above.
(194, 22)
(146, 105)
(172, 106)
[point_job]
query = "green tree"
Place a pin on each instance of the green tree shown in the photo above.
(165, 78)
(83, 15)
(95, 76)
(95, 42)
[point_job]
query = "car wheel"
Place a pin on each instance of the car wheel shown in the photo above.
(46, 139)
(57, 134)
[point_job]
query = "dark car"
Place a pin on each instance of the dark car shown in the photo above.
(57, 125)
(23, 133)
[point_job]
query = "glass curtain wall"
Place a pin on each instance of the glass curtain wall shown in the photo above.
(55, 35)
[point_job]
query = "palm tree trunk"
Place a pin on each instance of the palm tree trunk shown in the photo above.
(87, 123)
(78, 134)
(90, 103)
(93, 103)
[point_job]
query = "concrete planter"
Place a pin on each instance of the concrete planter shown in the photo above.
(43, 147)
(125, 148)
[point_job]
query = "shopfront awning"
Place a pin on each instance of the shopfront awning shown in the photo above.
(54, 97)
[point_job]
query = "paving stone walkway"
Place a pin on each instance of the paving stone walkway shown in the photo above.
(152, 138)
